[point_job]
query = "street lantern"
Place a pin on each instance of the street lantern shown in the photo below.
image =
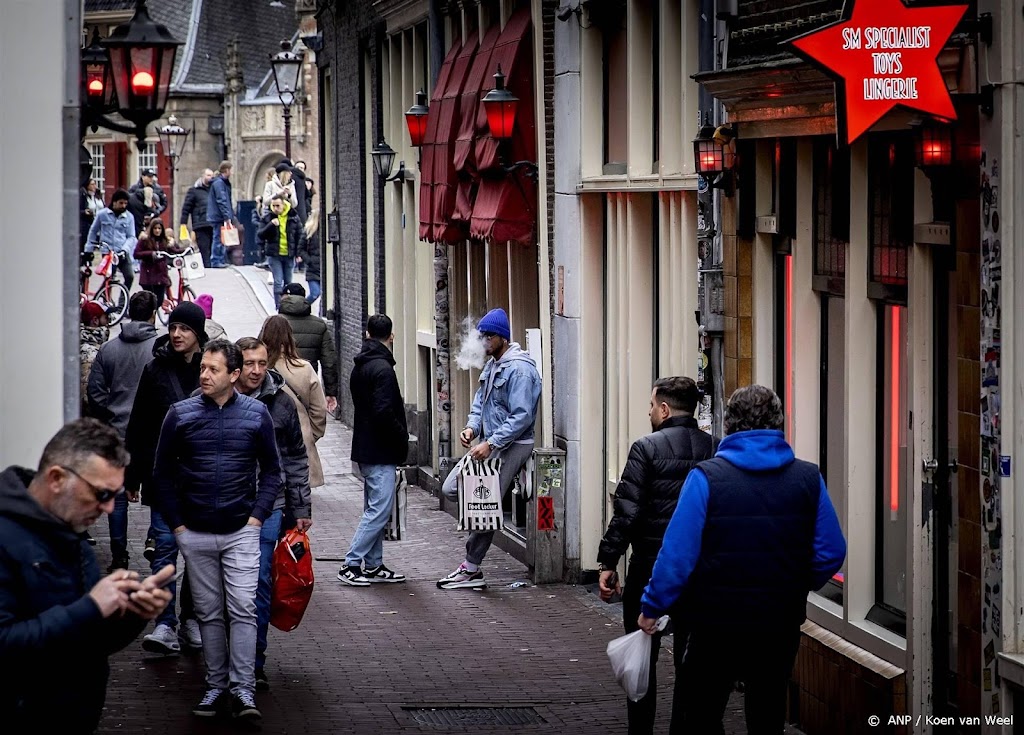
(708, 154)
(97, 86)
(383, 157)
(933, 145)
(141, 61)
(416, 119)
(500, 106)
(286, 65)
(173, 138)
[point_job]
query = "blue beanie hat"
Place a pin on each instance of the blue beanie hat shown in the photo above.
(496, 321)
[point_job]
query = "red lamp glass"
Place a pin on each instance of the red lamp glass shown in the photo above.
(500, 106)
(416, 119)
(98, 89)
(933, 145)
(708, 155)
(142, 83)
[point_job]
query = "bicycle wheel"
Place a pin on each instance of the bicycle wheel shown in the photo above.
(189, 294)
(113, 297)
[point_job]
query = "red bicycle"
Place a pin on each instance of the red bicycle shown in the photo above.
(111, 294)
(184, 291)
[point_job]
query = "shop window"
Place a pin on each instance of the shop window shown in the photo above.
(99, 169)
(831, 215)
(891, 187)
(147, 158)
(832, 421)
(891, 471)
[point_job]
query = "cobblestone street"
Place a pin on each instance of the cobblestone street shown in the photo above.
(364, 660)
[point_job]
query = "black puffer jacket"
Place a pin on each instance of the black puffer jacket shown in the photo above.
(270, 234)
(165, 380)
(313, 339)
(648, 489)
(205, 467)
(195, 206)
(311, 256)
(379, 432)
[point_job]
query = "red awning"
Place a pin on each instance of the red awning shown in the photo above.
(430, 143)
(505, 206)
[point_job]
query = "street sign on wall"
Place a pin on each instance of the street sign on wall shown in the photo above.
(883, 54)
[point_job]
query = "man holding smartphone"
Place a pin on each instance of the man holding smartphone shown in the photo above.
(645, 500)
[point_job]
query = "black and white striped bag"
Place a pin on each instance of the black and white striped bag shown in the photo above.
(480, 495)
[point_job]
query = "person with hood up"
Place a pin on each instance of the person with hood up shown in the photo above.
(169, 377)
(59, 621)
(753, 532)
(219, 212)
(282, 234)
(502, 417)
(113, 381)
(380, 442)
(313, 340)
(194, 207)
(213, 329)
(293, 504)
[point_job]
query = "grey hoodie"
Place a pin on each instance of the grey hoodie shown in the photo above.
(115, 374)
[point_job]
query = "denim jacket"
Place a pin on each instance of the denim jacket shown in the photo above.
(116, 231)
(505, 407)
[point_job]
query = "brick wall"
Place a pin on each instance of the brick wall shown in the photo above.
(348, 30)
(737, 267)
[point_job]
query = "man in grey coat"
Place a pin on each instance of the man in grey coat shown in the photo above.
(113, 381)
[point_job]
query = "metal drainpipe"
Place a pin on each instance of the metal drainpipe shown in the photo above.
(72, 172)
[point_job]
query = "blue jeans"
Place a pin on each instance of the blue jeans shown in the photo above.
(314, 291)
(378, 497)
(167, 553)
(217, 249)
(118, 521)
(269, 534)
(281, 267)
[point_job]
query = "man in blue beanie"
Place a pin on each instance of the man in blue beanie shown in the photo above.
(503, 414)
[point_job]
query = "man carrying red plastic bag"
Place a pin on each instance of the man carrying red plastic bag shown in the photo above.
(293, 580)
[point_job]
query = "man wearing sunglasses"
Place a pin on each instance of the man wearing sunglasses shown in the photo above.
(503, 414)
(59, 621)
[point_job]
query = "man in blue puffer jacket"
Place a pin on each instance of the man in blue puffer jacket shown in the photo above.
(753, 532)
(208, 492)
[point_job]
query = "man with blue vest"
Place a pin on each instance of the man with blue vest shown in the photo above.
(754, 531)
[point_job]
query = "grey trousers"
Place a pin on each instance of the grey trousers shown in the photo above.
(512, 457)
(225, 567)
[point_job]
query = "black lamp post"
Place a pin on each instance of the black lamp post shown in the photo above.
(171, 135)
(383, 157)
(141, 61)
(286, 65)
(416, 119)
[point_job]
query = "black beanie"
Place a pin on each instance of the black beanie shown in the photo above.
(282, 167)
(192, 316)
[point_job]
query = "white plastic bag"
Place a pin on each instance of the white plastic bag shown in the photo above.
(630, 656)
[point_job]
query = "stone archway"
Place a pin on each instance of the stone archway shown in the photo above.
(257, 178)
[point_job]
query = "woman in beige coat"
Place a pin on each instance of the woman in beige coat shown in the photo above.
(302, 384)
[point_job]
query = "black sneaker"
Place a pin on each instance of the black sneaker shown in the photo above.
(353, 577)
(150, 551)
(262, 682)
(383, 574)
(212, 703)
(119, 562)
(243, 706)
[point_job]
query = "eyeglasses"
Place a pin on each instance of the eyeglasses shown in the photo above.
(103, 495)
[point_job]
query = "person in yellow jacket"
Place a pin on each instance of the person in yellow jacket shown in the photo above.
(282, 235)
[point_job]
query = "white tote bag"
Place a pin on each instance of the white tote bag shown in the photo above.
(394, 529)
(480, 495)
(194, 267)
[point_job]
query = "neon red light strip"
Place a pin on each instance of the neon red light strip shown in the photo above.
(789, 387)
(894, 416)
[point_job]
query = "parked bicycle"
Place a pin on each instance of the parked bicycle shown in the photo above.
(111, 294)
(181, 263)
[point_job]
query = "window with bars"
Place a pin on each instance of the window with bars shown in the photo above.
(99, 166)
(147, 158)
(890, 191)
(831, 213)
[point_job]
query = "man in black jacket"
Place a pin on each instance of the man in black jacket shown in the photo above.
(58, 620)
(282, 235)
(645, 500)
(170, 376)
(266, 385)
(194, 206)
(147, 177)
(313, 339)
(380, 442)
(208, 491)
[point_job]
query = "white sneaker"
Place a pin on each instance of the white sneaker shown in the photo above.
(190, 636)
(162, 641)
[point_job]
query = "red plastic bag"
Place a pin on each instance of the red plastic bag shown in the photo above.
(292, 576)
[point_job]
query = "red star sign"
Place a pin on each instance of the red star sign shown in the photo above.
(883, 54)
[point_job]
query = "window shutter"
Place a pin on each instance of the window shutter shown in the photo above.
(115, 156)
(163, 177)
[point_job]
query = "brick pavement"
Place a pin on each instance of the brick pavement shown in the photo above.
(363, 656)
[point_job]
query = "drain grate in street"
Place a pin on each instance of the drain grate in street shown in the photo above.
(474, 716)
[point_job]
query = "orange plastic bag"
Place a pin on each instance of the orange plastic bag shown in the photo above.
(292, 576)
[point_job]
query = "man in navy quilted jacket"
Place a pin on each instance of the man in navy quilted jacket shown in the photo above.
(209, 492)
